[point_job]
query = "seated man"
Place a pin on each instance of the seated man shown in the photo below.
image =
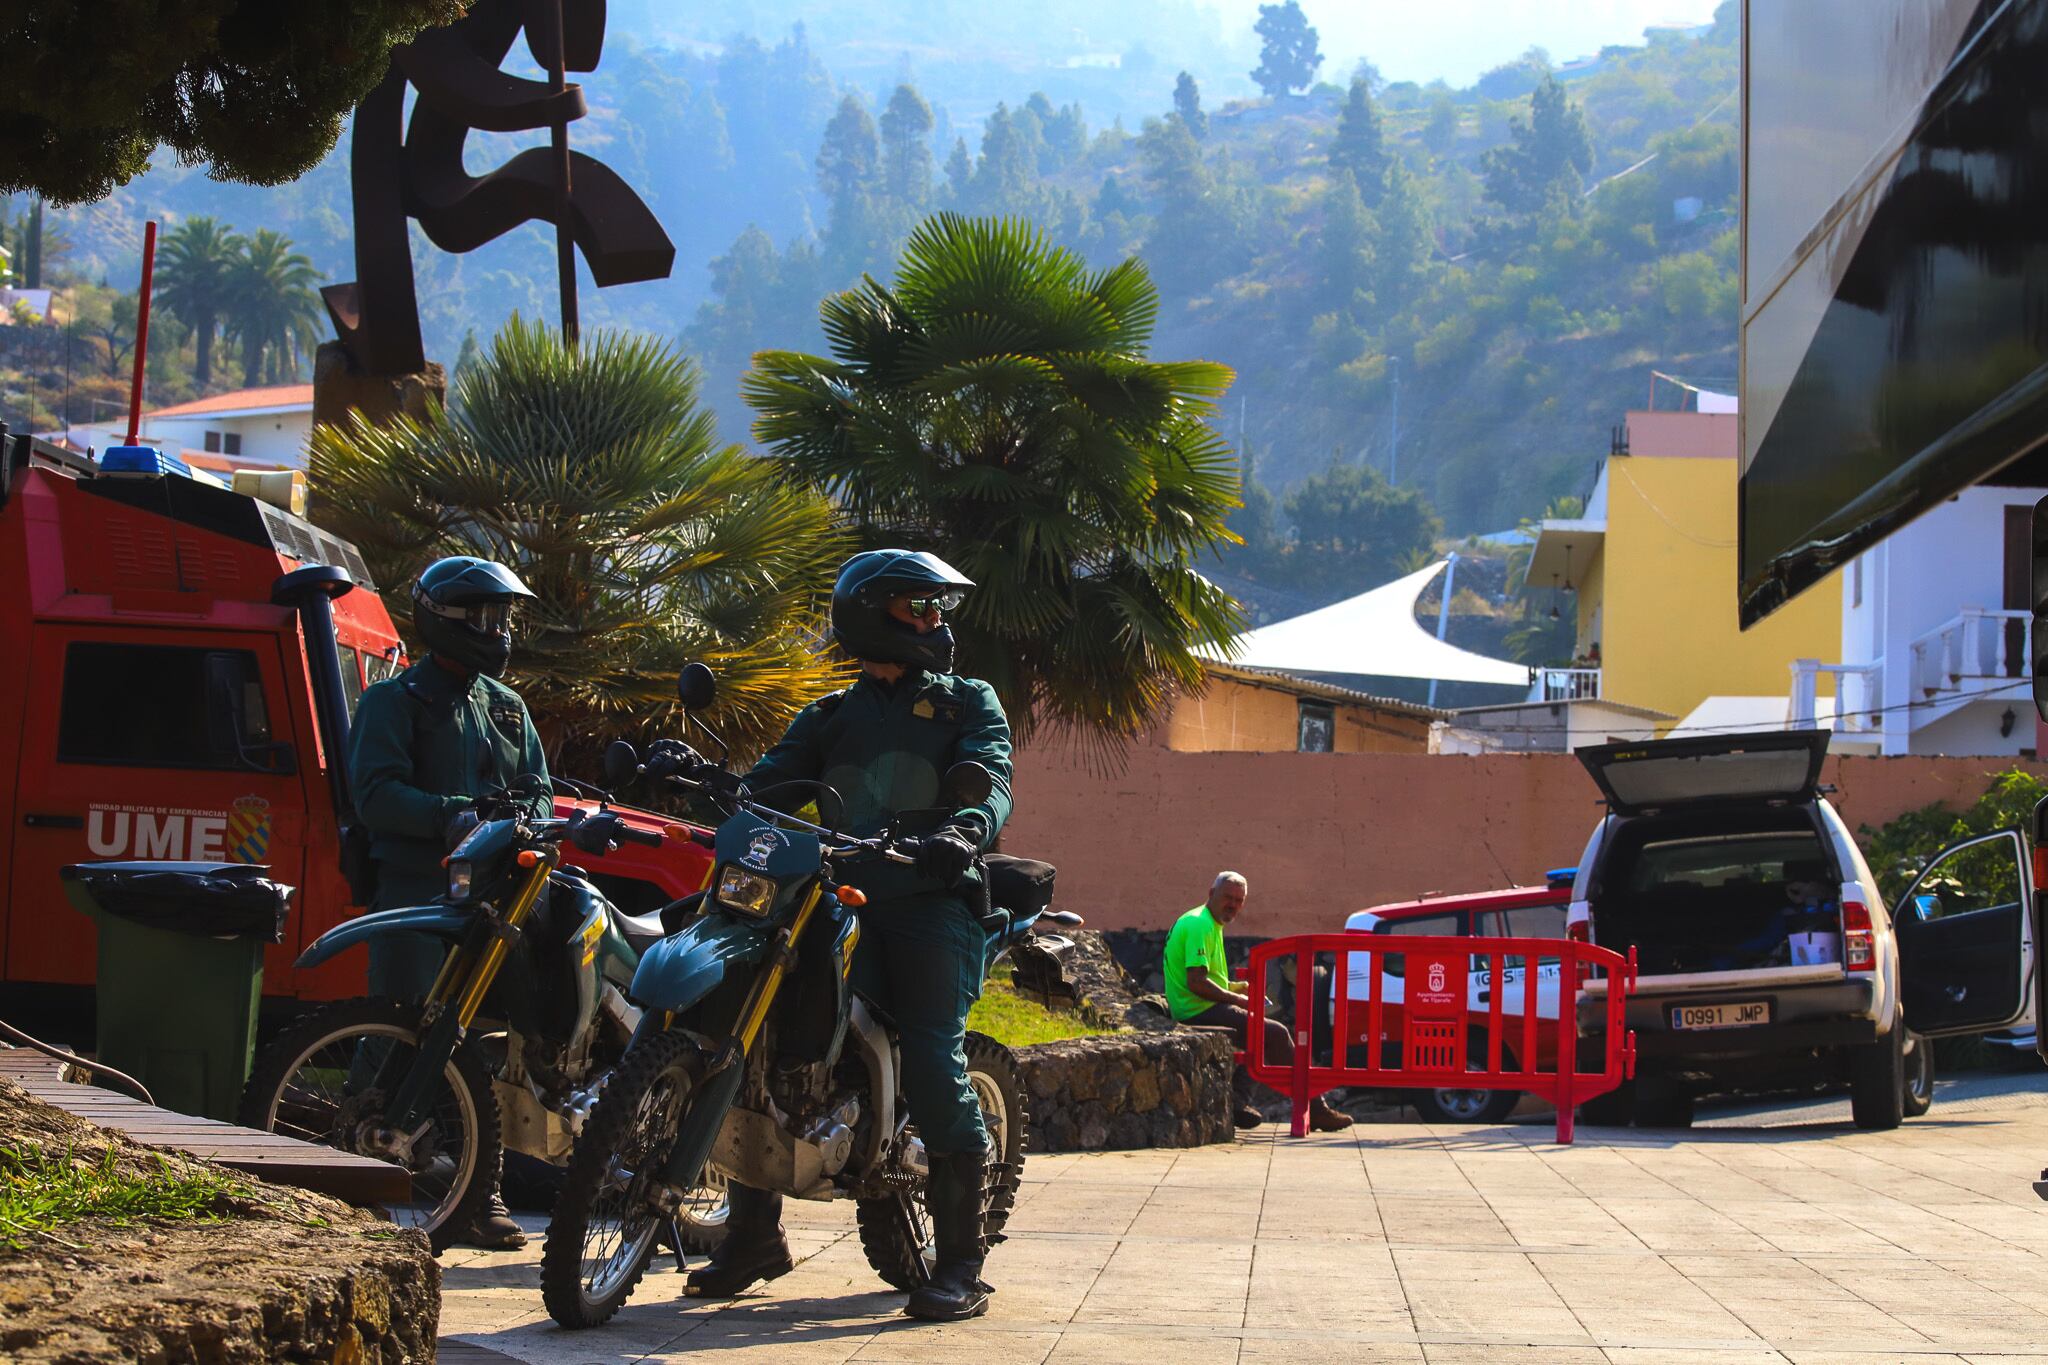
(1199, 991)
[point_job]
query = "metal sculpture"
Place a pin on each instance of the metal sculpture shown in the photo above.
(400, 172)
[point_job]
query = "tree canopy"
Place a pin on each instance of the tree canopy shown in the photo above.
(596, 475)
(255, 89)
(1288, 56)
(995, 405)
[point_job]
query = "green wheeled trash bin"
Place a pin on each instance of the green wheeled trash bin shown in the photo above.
(180, 972)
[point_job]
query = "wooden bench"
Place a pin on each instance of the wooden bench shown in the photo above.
(267, 1156)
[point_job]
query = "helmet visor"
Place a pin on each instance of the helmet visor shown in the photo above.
(491, 618)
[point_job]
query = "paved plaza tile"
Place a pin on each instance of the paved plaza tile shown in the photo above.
(1409, 1244)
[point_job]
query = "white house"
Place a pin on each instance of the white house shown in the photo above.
(266, 427)
(1935, 623)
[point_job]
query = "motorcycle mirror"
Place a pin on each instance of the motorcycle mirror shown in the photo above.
(697, 688)
(969, 784)
(621, 763)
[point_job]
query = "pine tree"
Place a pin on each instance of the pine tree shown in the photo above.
(849, 159)
(1548, 156)
(1187, 106)
(1401, 244)
(1288, 57)
(906, 149)
(1346, 253)
(1358, 146)
(959, 172)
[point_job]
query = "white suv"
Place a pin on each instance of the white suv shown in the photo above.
(1740, 989)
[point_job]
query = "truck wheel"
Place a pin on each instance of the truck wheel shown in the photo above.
(1662, 1103)
(1445, 1105)
(1877, 1080)
(1615, 1109)
(316, 1082)
(1919, 1092)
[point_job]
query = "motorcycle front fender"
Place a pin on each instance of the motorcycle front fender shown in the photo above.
(682, 969)
(437, 921)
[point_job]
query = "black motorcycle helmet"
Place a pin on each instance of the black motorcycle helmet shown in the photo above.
(861, 622)
(462, 611)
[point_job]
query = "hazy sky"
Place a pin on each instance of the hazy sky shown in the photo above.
(1420, 40)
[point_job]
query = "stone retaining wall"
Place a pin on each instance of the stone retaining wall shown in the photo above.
(1128, 1090)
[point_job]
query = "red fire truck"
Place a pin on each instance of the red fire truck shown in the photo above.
(186, 660)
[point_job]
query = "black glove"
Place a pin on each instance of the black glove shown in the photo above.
(944, 857)
(459, 825)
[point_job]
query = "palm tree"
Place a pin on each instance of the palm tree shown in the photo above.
(594, 472)
(995, 406)
(271, 308)
(191, 283)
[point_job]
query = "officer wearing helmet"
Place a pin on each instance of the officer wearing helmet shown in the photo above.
(424, 746)
(885, 744)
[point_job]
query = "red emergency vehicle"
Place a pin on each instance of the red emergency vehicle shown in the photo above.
(1516, 912)
(185, 660)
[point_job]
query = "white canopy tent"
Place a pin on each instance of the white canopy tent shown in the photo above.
(1373, 633)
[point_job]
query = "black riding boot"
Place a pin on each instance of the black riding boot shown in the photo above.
(493, 1229)
(754, 1248)
(954, 1196)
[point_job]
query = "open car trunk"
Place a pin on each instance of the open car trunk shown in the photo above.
(1706, 891)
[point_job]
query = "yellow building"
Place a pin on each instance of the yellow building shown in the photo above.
(1650, 573)
(1257, 710)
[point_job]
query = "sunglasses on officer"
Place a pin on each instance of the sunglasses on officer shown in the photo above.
(942, 602)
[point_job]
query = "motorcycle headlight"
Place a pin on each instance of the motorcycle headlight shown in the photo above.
(461, 873)
(741, 890)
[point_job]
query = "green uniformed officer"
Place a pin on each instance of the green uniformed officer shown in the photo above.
(885, 744)
(424, 746)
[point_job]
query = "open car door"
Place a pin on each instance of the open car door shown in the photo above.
(1964, 939)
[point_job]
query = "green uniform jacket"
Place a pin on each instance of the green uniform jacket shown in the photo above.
(424, 745)
(885, 749)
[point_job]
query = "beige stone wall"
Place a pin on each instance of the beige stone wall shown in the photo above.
(1321, 835)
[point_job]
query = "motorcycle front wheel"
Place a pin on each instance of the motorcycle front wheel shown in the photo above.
(896, 1232)
(606, 1222)
(318, 1081)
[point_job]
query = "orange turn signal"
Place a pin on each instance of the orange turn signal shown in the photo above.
(529, 857)
(676, 831)
(851, 895)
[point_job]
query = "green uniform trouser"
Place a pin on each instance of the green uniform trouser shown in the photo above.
(921, 959)
(403, 966)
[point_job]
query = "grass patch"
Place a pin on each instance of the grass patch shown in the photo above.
(42, 1191)
(1014, 1021)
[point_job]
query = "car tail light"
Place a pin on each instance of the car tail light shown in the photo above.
(1859, 945)
(2040, 866)
(1579, 931)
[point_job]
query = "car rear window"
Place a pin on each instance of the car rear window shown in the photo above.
(1721, 861)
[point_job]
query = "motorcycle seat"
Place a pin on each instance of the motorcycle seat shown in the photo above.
(641, 931)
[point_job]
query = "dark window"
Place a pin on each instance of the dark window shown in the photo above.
(213, 443)
(1450, 925)
(351, 677)
(1528, 921)
(231, 443)
(1318, 728)
(162, 706)
(377, 667)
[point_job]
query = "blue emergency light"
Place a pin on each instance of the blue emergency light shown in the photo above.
(1560, 876)
(144, 460)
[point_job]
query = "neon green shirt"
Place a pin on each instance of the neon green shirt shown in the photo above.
(1196, 940)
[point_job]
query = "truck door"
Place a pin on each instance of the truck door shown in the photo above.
(1963, 937)
(145, 743)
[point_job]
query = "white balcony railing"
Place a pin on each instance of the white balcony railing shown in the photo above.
(1977, 652)
(1974, 648)
(1566, 684)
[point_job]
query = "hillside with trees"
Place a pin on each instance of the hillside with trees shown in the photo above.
(1436, 301)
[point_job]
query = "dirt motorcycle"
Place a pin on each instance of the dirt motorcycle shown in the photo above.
(531, 942)
(758, 1063)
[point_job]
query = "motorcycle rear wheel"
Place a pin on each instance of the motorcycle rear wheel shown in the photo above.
(605, 1225)
(893, 1249)
(313, 1082)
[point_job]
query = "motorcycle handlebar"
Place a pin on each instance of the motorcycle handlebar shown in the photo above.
(650, 837)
